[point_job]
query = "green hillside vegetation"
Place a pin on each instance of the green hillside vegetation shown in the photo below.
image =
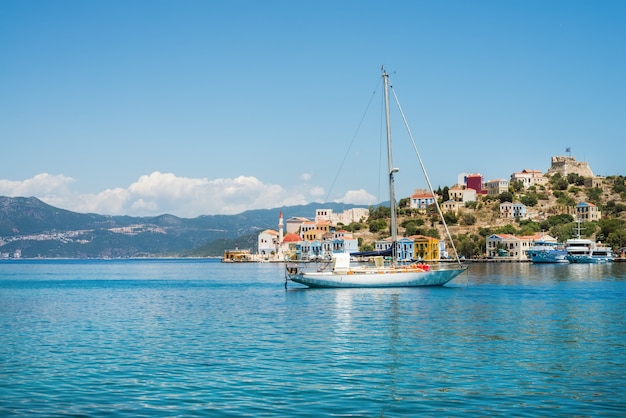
(554, 205)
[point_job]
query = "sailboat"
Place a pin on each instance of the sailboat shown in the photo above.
(340, 273)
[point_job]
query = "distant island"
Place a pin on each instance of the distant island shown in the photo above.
(30, 228)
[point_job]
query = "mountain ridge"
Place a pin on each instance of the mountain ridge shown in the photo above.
(32, 228)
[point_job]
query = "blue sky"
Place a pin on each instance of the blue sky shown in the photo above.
(206, 107)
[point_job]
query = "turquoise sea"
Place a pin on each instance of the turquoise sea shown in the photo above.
(188, 338)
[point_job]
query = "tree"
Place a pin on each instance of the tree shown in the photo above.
(529, 200)
(566, 200)
(377, 225)
(563, 218)
(507, 229)
(617, 239)
(416, 221)
(450, 218)
(594, 194)
(484, 232)
(555, 178)
(516, 186)
(379, 212)
(444, 193)
(561, 184)
(611, 226)
(613, 208)
(468, 219)
(562, 232)
(619, 184)
(529, 227)
(410, 229)
(575, 178)
(506, 197)
(353, 227)
(470, 245)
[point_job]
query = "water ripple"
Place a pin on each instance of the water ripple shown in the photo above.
(199, 338)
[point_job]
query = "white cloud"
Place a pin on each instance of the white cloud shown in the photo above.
(41, 184)
(159, 193)
(358, 197)
(305, 176)
(317, 191)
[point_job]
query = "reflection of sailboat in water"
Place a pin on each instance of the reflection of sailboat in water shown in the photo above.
(342, 274)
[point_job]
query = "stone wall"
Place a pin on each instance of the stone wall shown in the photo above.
(567, 165)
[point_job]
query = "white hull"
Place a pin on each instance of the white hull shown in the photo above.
(594, 257)
(391, 278)
(583, 259)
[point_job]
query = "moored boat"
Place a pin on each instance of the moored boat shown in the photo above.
(595, 255)
(547, 252)
(586, 251)
(385, 272)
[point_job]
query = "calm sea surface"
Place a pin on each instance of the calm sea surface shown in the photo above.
(201, 338)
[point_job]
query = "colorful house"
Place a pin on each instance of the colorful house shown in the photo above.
(497, 186)
(426, 248)
(515, 210)
(587, 212)
(476, 182)
(421, 199)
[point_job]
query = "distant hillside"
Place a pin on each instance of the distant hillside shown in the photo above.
(36, 229)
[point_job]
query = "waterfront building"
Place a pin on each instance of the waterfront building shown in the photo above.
(268, 243)
(416, 247)
(512, 247)
(290, 247)
(294, 223)
(237, 255)
(427, 248)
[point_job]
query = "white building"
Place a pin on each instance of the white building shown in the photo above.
(347, 217)
(462, 194)
(530, 178)
(421, 199)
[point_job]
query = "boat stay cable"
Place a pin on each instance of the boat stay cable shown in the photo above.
(351, 143)
(430, 187)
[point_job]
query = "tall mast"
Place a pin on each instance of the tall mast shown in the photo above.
(392, 170)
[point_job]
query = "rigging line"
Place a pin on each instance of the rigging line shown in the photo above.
(430, 187)
(351, 142)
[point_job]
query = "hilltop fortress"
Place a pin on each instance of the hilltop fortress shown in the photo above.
(567, 165)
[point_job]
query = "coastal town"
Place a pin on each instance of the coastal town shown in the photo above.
(499, 220)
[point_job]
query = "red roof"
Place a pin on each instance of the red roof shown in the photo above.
(292, 238)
